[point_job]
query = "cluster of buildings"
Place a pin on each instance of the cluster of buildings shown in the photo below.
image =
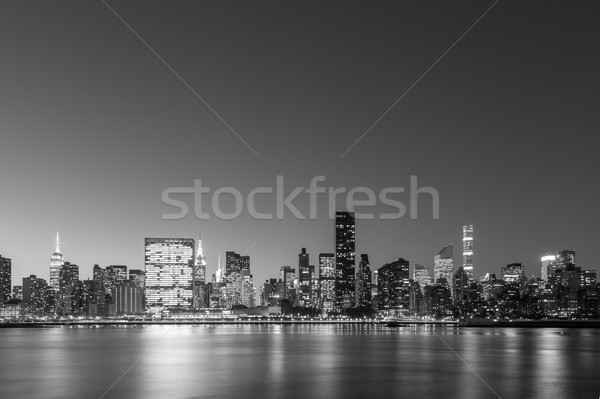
(174, 281)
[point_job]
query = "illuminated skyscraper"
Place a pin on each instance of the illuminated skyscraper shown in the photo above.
(421, 275)
(169, 266)
(565, 257)
(444, 266)
(393, 286)
(56, 262)
(326, 282)
(344, 261)
(548, 266)
(5, 279)
(513, 273)
(304, 280)
(363, 282)
(468, 250)
(199, 278)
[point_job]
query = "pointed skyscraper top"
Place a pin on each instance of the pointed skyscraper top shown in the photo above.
(57, 244)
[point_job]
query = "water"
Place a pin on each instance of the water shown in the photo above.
(298, 362)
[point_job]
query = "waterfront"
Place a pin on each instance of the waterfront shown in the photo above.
(273, 361)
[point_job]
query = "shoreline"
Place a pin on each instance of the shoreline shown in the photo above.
(396, 324)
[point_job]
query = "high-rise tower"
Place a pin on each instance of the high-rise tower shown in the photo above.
(169, 266)
(468, 250)
(56, 263)
(344, 261)
(444, 266)
(199, 277)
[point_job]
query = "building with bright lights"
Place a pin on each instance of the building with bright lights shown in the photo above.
(326, 282)
(548, 266)
(56, 262)
(5, 279)
(443, 266)
(169, 264)
(344, 261)
(468, 250)
(363, 282)
(421, 275)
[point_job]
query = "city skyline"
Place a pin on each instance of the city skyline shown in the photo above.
(114, 128)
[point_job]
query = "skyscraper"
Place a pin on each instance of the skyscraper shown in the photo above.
(199, 278)
(548, 266)
(468, 250)
(56, 262)
(444, 266)
(169, 273)
(421, 275)
(5, 279)
(326, 282)
(344, 261)
(363, 282)
(513, 273)
(304, 279)
(565, 257)
(288, 275)
(393, 287)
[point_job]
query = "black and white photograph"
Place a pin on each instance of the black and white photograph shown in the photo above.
(299, 199)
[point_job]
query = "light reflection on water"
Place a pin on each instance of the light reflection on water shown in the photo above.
(274, 361)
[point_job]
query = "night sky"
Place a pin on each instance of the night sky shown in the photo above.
(94, 126)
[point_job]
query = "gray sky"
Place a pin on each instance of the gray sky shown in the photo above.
(94, 126)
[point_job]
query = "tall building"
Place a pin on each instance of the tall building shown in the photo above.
(393, 286)
(468, 250)
(199, 278)
(565, 257)
(326, 282)
(288, 276)
(68, 295)
(304, 280)
(344, 261)
(548, 266)
(34, 295)
(363, 282)
(513, 273)
(5, 279)
(169, 273)
(248, 291)
(444, 266)
(421, 275)
(56, 262)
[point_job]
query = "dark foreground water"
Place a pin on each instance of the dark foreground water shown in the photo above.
(299, 362)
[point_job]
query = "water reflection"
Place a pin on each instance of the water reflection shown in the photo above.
(290, 361)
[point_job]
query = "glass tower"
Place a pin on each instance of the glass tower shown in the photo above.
(169, 273)
(56, 263)
(468, 250)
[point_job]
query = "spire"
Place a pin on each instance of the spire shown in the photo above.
(57, 243)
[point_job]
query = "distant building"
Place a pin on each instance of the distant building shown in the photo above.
(548, 266)
(5, 279)
(199, 278)
(168, 268)
(393, 283)
(56, 262)
(326, 282)
(288, 276)
(444, 265)
(363, 282)
(304, 280)
(514, 273)
(344, 261)
(34, 293)
(17, 292)
(565, 257)
(421, 275)
(128, 299)
(68, 293)
(468, 250)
